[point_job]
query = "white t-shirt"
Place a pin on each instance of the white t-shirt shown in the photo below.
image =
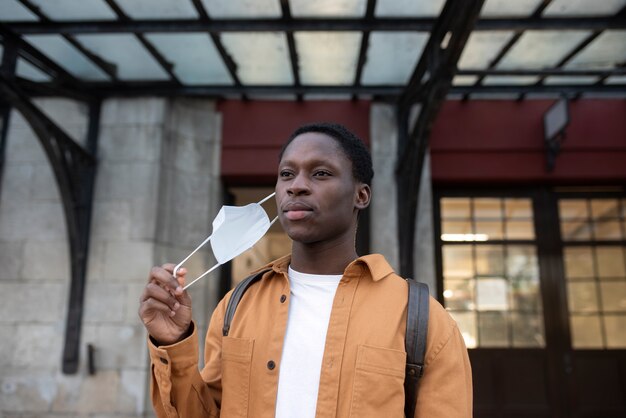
(311, 300)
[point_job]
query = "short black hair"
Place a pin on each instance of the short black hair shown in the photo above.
(352, 146)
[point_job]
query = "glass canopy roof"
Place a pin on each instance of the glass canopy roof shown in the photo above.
(292, 48)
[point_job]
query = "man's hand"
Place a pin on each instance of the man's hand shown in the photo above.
(164, 307)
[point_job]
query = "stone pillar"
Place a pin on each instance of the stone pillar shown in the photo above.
(190, 197)
(424, 247)
(157, 187)
(383, 215)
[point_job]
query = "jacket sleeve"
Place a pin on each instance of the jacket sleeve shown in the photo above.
(178, 388)
(445, 390)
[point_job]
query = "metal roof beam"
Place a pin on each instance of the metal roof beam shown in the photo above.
(291, 44)
(506, 48)
(216, 26)
(206, 22)
(542, 88)
(108, 68)
(385, 92)
(170, 89)
(428, 86)
(62, 79)
(542, 72)
(166, 65)
(369, 15)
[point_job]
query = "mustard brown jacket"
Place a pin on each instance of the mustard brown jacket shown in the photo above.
(364, 359)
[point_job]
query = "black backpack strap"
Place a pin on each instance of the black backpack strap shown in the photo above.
(415, 342)
(236, 297)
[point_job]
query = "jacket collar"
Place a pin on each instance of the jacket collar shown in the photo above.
(374, 264)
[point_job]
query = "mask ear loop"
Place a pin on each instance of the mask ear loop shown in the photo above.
(204, 243)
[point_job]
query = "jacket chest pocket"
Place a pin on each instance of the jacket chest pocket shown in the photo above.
(236, 363)
(378, 388)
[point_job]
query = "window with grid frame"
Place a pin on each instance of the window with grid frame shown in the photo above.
(490, 271)
(593, 235)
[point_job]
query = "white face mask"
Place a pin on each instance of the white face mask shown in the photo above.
(235, 230)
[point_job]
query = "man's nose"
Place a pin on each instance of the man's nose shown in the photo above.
(299, 186)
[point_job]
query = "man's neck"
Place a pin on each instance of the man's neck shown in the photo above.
(324, 257)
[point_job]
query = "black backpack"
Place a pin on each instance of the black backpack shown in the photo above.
(415, 340)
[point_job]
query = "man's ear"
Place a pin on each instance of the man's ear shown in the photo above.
(363, 196)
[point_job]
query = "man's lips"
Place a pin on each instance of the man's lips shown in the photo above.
(295, 211)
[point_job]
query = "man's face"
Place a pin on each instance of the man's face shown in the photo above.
(316, 193)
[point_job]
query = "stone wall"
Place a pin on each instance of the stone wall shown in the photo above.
(383, 215)
(152, 152)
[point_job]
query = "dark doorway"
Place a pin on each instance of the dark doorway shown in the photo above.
(536, 280)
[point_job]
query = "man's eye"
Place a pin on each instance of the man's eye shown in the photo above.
(322, 173)
(285, 174)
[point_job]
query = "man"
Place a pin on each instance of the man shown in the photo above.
(322, 333)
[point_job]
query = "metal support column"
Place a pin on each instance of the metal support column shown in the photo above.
(427, 87)
(7, 69)
(74, 168)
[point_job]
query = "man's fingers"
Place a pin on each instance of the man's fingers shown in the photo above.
(163, 278)
(156, 292)
(154, 305)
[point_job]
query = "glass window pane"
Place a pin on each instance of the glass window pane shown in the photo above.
(575, 231)
(520, 230)
(610, 230)
(490, 260)
(316, 50)
(527, 330)
(614, 297)
(583, 8)
(482, 48)
(242, 8)
(401, 48)
(458, 261)
(605, 52)
(540, 49)
(133, 61)
(158, 9)
(328, 8)
(525, 295)
(521, 263)
(586, 331)
(494, 330)
(459, 294)
(573, 209)
(456, 227)
(13, 10)
(492, 294)
(507, 8)
(261, 57)
(66, 55)
(408, 8)
(453, 207)
(27, 70)
(615, 326)
(518, 209)
(604, 209)
(569, 80)
(197, 59)
(610, 262)
(492, 229)
(467, 325)
(486, 208)
(582, 297)
(75, 10)
(578, 262)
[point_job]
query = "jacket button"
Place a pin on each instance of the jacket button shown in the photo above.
(271, 365)
(283, 298)
(163, 360)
